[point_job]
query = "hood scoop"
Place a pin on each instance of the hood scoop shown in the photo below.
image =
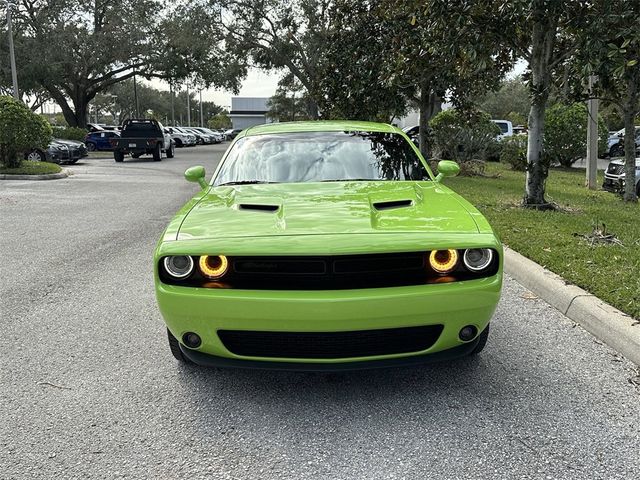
(392, 204)
(258, 207)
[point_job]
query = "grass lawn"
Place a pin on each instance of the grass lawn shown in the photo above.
(28, 167)
(611, 272)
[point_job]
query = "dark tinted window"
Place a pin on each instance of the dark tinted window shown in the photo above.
(321, 156)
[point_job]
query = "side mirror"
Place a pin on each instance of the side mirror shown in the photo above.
(447, 168)
(196, 175)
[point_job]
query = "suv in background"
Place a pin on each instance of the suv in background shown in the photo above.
(616, 143)
(614, 176)
(100, 140)
(506, 128)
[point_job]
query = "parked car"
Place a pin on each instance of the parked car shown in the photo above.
(520, 130)
(56, 152)
(232, 133)
(201, 138)
(506, 128)
(347, 228)
(210, 136)
(616, 143)
(78, 149)
(142, 136)
(614, 176)
(100, 140)
(181, 138)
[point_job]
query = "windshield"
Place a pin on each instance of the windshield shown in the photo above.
(321, 156)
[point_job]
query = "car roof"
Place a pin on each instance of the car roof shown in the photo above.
(319, 126)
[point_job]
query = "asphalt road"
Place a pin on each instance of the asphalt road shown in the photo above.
(88, 388)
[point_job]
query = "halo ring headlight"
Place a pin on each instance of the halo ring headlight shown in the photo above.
(443, 261)
(213, 266)
(477, 259)
(178, 266)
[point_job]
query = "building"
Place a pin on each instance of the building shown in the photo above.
(248, 111)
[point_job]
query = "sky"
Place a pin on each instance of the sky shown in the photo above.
(257, 84)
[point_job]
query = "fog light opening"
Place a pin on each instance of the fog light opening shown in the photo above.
(191, 340)
(468, 333)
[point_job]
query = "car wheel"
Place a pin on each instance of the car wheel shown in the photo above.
(616, 151)
(36, 156)
(179, 143)
(170, 151)
(174, 345)
(92, 147)
(118, 156)
(482, 341)
(157, 153)
(638, 189)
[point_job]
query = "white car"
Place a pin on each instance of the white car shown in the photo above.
(506, 128)
(180, 137)
(614, 176)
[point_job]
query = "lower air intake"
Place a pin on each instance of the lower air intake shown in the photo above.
(360, 343)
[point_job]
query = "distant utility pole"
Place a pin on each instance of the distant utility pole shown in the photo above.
(173, 107)
(201, 117)
(188, 108)
(12, 55)
(135, 96)
(592, 137)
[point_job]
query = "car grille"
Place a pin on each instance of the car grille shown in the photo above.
(329, 272)
(326, 345)
(615, 169)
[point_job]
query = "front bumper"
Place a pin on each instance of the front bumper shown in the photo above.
(613, 183)
(207, 310)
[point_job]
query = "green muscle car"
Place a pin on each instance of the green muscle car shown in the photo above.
(326, 246)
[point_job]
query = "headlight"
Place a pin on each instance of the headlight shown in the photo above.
(213, 266)
(179, 266)
(477, 259)
(443, 261)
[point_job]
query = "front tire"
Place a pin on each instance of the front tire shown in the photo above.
(118, 156)
(174, 346)
(92, 147)
(36, 156)
(482, 341)
(170, 151)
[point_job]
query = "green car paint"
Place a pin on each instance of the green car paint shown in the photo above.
(326, 219)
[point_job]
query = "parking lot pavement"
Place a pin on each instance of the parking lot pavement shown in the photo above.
(89, 389)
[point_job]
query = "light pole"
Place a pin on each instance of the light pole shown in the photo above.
(201, 117)
(188, 108)
(135, 95)
(14, 74)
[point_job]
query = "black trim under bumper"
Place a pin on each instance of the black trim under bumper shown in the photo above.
(206, 360)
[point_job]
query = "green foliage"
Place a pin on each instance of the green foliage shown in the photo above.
(511, 102)
(608, 271)
(565, 139)
(69, 133)
(288, 103)
(20, 131)
(26, 167)
(513, 152)
(221, 120)
(462, 137)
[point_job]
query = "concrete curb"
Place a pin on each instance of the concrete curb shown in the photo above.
(46, 176)
(605, 322)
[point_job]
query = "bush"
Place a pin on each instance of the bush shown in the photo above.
(20, 131)
(514, 152)
(69, 133)
(462, 138)
(565, 134)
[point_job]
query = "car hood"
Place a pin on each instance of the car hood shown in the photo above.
(327, 208)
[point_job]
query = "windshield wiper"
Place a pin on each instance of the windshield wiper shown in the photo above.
(245, 182)
(352, 180)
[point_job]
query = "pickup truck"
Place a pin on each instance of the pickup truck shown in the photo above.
(142, 136)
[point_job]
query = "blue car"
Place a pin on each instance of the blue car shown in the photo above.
(100, 140)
